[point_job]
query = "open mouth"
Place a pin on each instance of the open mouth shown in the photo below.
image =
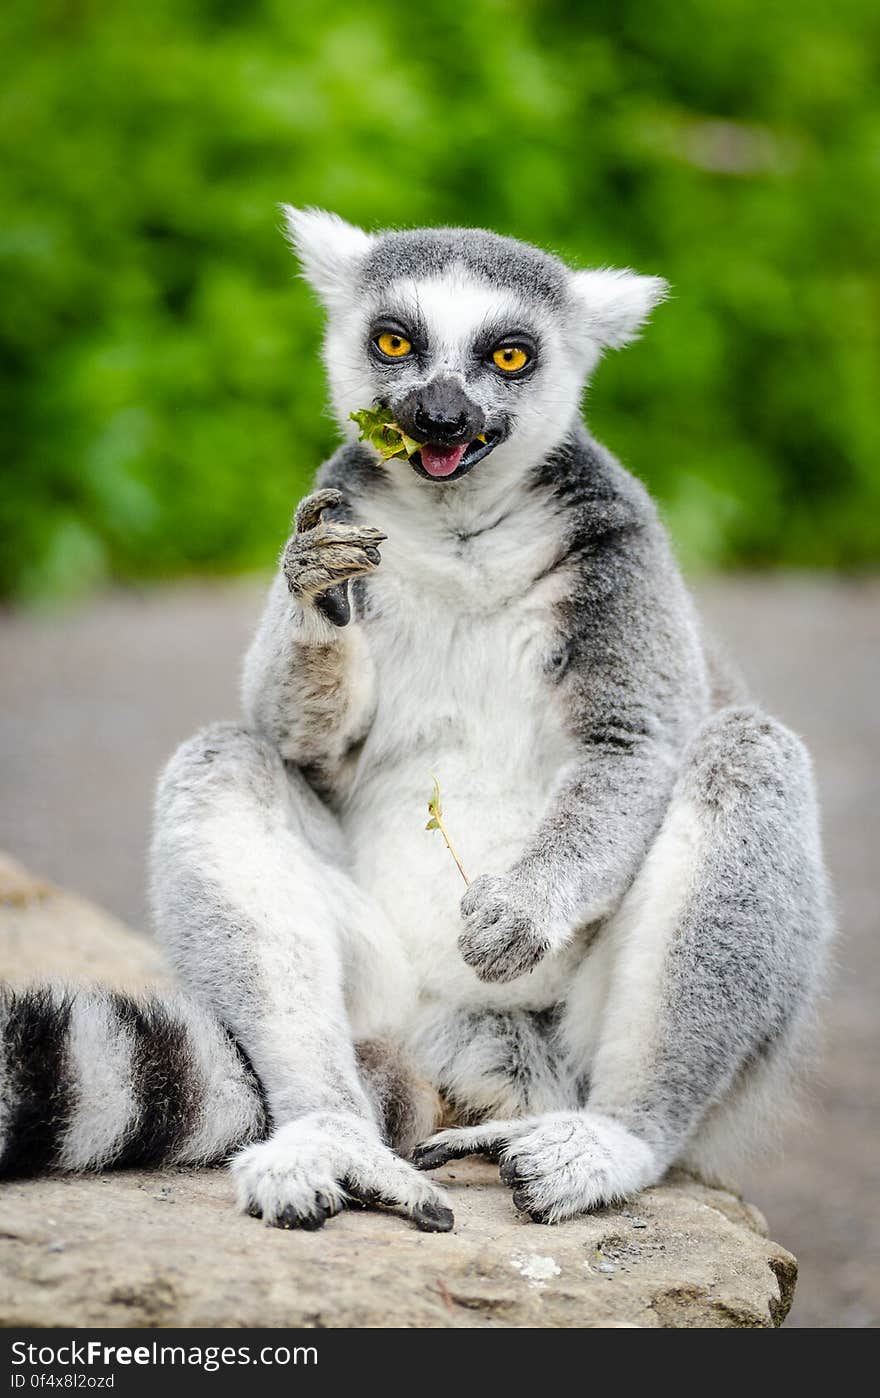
(438, 463)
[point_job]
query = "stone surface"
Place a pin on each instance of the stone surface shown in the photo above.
(166, 1248)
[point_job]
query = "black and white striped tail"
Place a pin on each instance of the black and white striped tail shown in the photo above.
(93, 1079)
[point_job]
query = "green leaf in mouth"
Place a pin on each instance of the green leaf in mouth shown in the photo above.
(377, 426)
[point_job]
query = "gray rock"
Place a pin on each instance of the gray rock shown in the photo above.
(108, 1250)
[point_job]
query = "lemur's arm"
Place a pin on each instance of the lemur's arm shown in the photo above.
(634, 683)
(308, 676)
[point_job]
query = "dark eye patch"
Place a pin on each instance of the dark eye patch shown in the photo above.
(408, 327)
(505, 336)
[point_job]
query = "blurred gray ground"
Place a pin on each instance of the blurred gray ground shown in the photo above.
(92, 702)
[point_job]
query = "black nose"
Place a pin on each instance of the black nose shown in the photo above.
(432, 427)
(441, 412)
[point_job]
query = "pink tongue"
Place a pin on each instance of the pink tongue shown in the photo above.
(439, 461)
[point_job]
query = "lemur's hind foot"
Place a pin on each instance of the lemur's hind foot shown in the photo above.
(558, 1165)
(314, 1166)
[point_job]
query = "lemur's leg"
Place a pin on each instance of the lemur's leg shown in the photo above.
(713, 961)
(265, 928)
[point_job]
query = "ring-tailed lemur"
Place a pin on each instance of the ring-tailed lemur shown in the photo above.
(628, 981)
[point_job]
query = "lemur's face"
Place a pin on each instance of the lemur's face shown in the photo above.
(462, 364)
(479, 345)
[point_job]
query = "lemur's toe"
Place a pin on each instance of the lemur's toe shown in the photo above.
(525, 1205)
(429, 1157)
(509, 1173)
(358, 1196)
(291, 1217)
(433, 1218)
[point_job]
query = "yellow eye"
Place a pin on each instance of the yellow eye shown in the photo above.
(510, 358)
(395, 346)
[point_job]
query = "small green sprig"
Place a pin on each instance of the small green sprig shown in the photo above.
(435, 811)
(377, 426)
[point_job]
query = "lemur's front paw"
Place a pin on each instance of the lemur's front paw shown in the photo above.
(558, 1165)
(315, 1166)
(502, 936)
(320, 556)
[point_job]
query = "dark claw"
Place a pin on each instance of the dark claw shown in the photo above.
(289, 1218)
(253, 1210)
(310, 1223)
(433, 1218)
(509, 1173)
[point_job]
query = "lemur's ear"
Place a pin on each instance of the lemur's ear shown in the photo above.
(328, 248)
(616, 303)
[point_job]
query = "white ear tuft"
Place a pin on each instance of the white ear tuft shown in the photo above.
(328, 248)
(617, 303)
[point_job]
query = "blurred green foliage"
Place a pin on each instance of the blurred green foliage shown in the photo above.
(162, 396)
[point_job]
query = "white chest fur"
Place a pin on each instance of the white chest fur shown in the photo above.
(462, 627)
